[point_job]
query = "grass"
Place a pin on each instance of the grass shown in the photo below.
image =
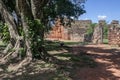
(75, 43)
(70, 64)
(68, 56)
(50, 46)
(2, 46)
(72, 43)
(76, 60)
(1, 43)
(105, 41)
(55, 45)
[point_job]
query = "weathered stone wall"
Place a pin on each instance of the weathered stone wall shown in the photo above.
(58, 32)
(114, 33)
(78, 29)
(74, 33)
(82, 23)
(97, 37)
(77, 33)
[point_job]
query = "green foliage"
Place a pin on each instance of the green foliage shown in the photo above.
(66, 7)
(50, 10)
(10, 4)
(4, 32)
(105, 41)
(20, 30)
(47, 12)
(22, 52)
(105, 32)
(36, 30)
(90, 30)
(61, 9)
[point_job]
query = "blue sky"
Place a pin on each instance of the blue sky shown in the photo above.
(102, 9)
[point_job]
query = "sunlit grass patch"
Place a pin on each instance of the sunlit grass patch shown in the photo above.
(105, 41)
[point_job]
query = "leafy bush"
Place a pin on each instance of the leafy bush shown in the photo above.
(90, 30)
(105, 32)
(36, 35)
(4, 32)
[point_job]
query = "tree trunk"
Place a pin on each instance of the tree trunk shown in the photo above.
(18, 42)
(15, 37)
(9, 20)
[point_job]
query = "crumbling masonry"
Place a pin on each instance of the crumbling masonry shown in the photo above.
(74, 33)
(78, 29)
(114, 33)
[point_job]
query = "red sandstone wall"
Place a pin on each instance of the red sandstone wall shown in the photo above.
(114, 35)
(75, 33)
(59, 33)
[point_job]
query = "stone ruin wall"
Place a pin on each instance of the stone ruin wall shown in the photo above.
(78, 29)
(58, 32)
(114, 33)
(74, 33)
(97, 37)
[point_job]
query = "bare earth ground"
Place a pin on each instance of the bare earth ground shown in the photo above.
(108, 66)
(108, 60)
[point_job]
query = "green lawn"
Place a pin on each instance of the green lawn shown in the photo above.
(105, 41)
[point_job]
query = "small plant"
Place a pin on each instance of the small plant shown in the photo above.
(22, 52)
(4, 32)
(36, 35)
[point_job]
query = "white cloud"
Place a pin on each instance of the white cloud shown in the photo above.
(102, 17)
(86, 18)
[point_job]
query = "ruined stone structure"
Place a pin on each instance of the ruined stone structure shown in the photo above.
(82, 23)
(78, 29)
(98, 33)
(114, 33)
(75, 33)
(58, 32)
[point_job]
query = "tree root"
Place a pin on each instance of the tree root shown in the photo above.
(12, 54)
(9, 46)
(22, 63)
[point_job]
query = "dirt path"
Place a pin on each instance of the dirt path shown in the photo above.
(108, 66)
(108, 59)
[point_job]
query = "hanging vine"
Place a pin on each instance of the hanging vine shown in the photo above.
(36, 36)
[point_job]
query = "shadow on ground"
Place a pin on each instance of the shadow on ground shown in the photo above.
(108, 64)
(75, 64)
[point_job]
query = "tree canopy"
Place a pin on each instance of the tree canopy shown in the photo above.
(26, 21)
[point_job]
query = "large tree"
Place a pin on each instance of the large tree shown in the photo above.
(27, 21)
